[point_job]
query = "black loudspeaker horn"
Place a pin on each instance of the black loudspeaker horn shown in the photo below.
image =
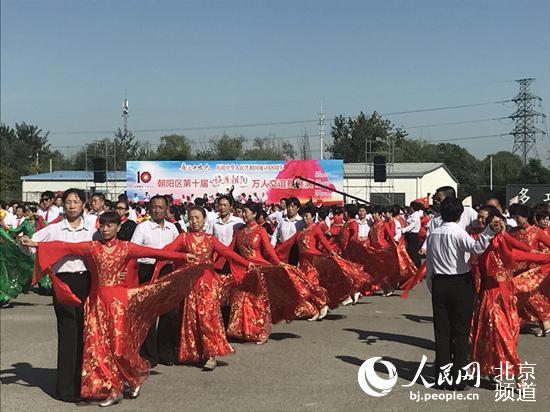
(379, 162)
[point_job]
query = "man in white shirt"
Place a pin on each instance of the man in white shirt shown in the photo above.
(363, 222)
(411, 232)
(225, 225)
(449, 279)
(47, 211)
(468, 219)
(71, 270)
(136, 198)
(277, 215)
(98, 204)
(17, 219)
(290, 223)
(161, 341)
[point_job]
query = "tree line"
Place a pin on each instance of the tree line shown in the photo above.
(25, 149)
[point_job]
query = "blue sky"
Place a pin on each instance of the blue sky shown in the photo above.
(67, 64)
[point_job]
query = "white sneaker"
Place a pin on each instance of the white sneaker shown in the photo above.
(356, 297)
(323, 312)
(348, 301)
(315, 317)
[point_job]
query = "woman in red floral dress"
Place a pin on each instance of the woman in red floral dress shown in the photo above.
(495, 325)
(202, 335)
(532, 289)
(318, 259)
(269, 293)
(116, 318)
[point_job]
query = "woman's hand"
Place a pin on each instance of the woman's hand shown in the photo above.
(191, 258)
(26, 241)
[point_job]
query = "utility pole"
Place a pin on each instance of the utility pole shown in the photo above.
(322, 130)
(524, 131)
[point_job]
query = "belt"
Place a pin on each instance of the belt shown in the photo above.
(453, 276)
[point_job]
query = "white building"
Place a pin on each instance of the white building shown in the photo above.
(410, 181)
(34, 185)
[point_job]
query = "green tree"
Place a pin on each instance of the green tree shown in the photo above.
(127, 148)
(268, 149)
(534, 173)
(350, 136)
(174, 147)
(226, 148)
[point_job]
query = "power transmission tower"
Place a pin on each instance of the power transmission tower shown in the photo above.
(524, 131)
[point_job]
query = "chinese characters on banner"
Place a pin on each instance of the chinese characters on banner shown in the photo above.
(265, 181)
(529, 195)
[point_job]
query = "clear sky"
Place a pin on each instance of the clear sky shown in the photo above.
(66, 65)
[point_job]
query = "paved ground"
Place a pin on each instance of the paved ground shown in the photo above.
(305, 367)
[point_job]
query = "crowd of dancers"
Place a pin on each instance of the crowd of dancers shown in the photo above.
(214, 269)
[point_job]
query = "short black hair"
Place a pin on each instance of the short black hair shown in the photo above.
(48, 194)
(362, 206)
(448, 191)
(109, 217)
(451, 209)
(100, 195)
(254, 207)
(309, 209)
(78, 192)
(520, 210)
(226, 197)
(541, 214)
(351, 209)
(160, 197)
(293, 201)
(416, 206)
(200, 209)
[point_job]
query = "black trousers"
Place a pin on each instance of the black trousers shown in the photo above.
(413, 245)
(162, 339)
(453, 304)
(70, 342)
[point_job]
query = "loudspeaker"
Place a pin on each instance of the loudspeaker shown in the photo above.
(100, 175)
(379, 168)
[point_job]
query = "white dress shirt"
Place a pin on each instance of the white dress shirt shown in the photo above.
(364, 228)
(398, 230)
(224, 231)
(64, 232)
(151, 234)
(449, 247)
(49, 215)
(13, 221)
(286, 228)
(467, 219)
(413, 222)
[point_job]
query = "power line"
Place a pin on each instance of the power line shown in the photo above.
(454, 123)
(279, 123)
(468, 138)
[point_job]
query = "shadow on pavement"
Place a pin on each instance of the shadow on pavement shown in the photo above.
(417, 318)
(405, 369)
(24, 374)
(333, 316)
(283, 336)
(371, 337)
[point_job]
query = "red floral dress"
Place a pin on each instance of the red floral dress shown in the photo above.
(117, 318)
(339, 277)
(532, 287)
(202, 333)
(267, 294)
(496, 323)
